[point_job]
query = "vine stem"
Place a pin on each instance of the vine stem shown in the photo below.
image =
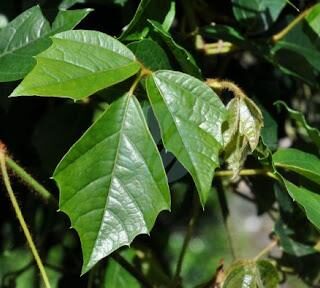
(143, 72)
(28, 179)
(266, 250)
(287, 29)
(246, 172)
(186, 241)
(20, 217)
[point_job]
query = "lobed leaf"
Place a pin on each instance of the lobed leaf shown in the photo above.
(78, 64)
(190, 117)
(27, 35)
(112, 182)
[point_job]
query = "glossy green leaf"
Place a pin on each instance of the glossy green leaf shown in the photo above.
(183, 57)
(289, 245)
(313, 18)
(242, 132)
(190, 116)
(27, 35)
(137, 29)
(309, 200)
(257, 15)
(112, 182)
(298, 161)
(299, 118)
(78, 64)
(251, 274)
(150, 54)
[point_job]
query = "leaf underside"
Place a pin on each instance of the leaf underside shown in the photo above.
(78, 64)
(190, 116)
(112, 182)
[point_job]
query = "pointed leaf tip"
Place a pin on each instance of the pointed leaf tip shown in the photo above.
(112, 181)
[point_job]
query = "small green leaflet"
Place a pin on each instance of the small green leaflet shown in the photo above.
(27, 35)
(190, 116)
(112, 182)
(251, 274)
(309, 200)
(303, 163)
(78, 64)
(242, 132)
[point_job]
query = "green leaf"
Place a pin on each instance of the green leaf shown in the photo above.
(251, 274)
(138, 29)
(313, 18)
(66, 4)
(298, 53)
(150, 54)
(183, 57)
(309, 200)
(299, 118)
(289, 245)
(117, 277)
(27, 35)
(78, 64)
(269, 131)
(242, 132)
(190, 116)
(257, 15)
(112, 182)
(298, 161)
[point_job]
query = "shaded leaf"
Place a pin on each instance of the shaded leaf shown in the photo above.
(309, 200)
(299, 118)
(117, 277)
(298, 53)
(112, 182)
(27, 35)
(78, 64)
(251, 274)
(150, 54)
(269, 131)
(183, 57)
(298, 161)
(138, 29)
(289, 245)
(257, 15)
(226, 33)
(242, 132)
(190, 116)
